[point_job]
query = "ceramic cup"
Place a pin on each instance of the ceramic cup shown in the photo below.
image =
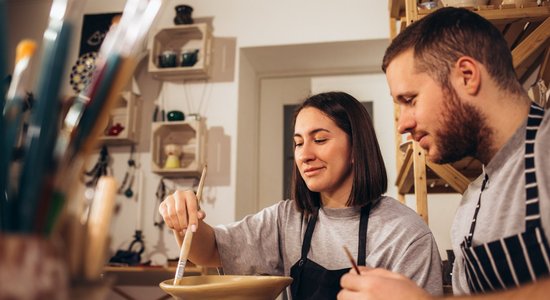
(167, 59)
(189, 57)
(175, 115)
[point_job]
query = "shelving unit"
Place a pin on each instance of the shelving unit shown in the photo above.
(125, 113)
(179, 39)
(191, 135)
(527, 30)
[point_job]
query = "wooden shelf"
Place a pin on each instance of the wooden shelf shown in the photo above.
(527, 32)
(526, 29)
(125, 113)
(191, 136)
(179, 39)
(447, 178)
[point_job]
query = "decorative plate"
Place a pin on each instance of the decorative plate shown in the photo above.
(82, 71)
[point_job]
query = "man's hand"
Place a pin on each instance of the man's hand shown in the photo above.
(379, 284)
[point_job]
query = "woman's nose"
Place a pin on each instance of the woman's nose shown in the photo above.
(304, 153)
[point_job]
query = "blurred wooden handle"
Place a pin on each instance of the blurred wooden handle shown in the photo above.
(101, 212)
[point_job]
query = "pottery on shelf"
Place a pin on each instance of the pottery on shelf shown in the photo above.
(167, 59)
(183, 14)
(189, 57)
(175, 115)
(115, 129)
(173, 154)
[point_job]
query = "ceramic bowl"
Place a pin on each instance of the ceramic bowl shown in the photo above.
(228, 287)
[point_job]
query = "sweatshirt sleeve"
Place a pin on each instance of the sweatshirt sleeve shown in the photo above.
(252, 245)
(421, 263)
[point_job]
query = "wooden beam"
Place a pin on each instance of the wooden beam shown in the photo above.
(500, 16)
(545, 69)
(405, 180)
(396, 8)
(453, 177)
(399, 155)
(393, 28)
(531, 46)
(420, 185)
(411, 11)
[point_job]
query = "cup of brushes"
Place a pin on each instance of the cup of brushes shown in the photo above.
(47, 251)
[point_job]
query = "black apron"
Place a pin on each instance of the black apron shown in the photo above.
(517, 259)
(313, 281)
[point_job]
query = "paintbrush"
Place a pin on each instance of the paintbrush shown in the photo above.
(84, 122)
(12, 117)
(43, 125)
(353, 263)
(3, 87)
(186, 244)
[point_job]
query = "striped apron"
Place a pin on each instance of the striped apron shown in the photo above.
(518, 259)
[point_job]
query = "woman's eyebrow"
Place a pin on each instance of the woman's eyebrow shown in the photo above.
(312, 132)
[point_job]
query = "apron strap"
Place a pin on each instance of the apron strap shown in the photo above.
(532, 210)
(468, 239)
(309, 233)
(363, 226)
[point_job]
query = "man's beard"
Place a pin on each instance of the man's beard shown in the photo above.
(464, 131)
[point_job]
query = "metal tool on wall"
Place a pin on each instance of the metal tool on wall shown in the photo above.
(128, 180)
(159, 106)
(101, 168)
(160, 194)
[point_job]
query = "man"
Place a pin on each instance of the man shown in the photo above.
(452, 75)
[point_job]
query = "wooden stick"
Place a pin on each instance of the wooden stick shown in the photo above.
(186, 243)
(353, 263)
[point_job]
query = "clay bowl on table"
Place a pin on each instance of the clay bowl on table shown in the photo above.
(228, 287)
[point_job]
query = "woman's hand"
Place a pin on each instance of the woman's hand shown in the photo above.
(181, 210)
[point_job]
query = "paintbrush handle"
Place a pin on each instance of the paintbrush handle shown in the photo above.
(184, 255)
(186, 243)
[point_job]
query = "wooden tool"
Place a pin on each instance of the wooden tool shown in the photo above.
(186, 244)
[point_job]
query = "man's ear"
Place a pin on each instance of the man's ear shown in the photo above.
(468, 74)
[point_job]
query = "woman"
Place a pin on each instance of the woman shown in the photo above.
(337, 200)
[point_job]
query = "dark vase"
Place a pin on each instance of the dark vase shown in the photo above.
(183, 14)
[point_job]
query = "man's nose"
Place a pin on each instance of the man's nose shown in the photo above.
(406, 121)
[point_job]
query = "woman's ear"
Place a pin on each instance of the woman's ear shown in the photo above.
(468, 74)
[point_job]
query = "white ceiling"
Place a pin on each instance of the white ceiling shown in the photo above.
(302, 59)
